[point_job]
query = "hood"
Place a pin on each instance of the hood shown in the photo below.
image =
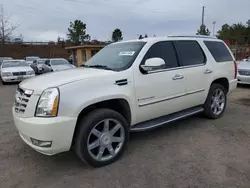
(17, 69)
(61, 67)
(243, 65)
(39, 83)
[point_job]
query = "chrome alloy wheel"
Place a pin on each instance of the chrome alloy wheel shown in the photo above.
(105, 140)
(218, 101)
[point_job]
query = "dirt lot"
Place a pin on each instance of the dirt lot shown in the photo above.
(195, 152)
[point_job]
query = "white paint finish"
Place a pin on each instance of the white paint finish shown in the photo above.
(158, 92)
(59, 130)
(156, 87)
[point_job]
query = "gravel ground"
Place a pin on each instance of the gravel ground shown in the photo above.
(194, 152)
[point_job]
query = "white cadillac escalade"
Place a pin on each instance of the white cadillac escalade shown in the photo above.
(128, 86)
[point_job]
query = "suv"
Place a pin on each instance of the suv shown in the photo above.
(128, 86)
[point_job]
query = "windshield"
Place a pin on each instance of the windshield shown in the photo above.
(59, 62)
(118, 56)
(41, 61)
(14, 64)
(4, 58)
(31, 58)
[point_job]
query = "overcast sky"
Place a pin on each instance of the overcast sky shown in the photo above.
(44, 20)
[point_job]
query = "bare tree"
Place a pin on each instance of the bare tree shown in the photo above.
(6, 27)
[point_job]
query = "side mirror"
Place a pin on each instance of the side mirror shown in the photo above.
(153, 64)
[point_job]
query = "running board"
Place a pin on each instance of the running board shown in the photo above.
(157, 122)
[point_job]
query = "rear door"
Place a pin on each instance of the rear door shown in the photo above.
(197, 70)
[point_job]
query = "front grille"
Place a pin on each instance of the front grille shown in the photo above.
(21, 101)
(244, 72)
(19, 73)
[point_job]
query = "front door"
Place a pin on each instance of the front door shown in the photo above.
(161, 91)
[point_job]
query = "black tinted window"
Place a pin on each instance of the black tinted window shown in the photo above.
(190, 53)
(164, 50)
(219, 51)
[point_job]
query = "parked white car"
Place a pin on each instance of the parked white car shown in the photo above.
(15, 71)
(56, 64)
(128, 86)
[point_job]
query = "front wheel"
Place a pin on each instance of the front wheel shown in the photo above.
(102, 137)
(216, 101)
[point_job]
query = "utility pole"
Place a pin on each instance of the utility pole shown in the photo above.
(214, 22)
(202, 19)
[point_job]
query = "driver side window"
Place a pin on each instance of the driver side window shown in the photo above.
(164, 50)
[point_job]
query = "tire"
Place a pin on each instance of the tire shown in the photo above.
(211, 104)
(86, 134)
(3, 83)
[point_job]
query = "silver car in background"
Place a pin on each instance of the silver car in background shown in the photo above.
(30, 59)
(37, 65)
(56, 64)
(243, 75)
(15, 71)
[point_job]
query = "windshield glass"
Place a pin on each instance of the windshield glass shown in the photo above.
(41, 61)
(31, 58)
(59, 62)
(118, 56)
(4, 58)
(14, 64)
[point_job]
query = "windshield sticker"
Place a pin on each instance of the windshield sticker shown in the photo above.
(128, 53)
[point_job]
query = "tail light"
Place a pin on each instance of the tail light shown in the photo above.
(235, 70)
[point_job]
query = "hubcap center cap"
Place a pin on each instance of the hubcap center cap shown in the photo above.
(105, 139)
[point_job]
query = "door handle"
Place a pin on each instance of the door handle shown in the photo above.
(178, 77)
(208, 71)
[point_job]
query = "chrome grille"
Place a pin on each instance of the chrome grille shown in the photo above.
(244, 72)
(21, 100)
(19, 73)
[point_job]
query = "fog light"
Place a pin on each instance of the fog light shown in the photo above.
(40, 143)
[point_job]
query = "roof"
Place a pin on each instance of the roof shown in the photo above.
(86, 46)
(172, 37)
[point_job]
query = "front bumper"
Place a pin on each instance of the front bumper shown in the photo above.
(243, 79)
(58, 130)
(16, 78)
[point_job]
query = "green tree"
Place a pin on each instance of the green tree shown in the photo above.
(77, 32)
(236, 33)
(117, 35)
(146, 36)
(140, 37)
(203, 30)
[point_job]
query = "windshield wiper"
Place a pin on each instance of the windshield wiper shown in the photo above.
(99, 67)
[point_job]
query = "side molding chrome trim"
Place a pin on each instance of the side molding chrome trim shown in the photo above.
(172, 97)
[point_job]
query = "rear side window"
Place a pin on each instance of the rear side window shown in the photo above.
(219, 51)
(190, 53)
(164, 50)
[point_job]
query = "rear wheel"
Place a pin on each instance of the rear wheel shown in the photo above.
(216, 101)
(102, 137)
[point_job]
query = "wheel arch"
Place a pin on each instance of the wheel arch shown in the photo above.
(222, 81)
(119, 105)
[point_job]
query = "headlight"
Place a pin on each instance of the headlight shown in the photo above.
(6, 74)
(47, 105)
(30, 72)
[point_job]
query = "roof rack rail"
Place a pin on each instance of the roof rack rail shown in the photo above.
(194, 36)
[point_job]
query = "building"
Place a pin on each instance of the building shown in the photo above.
(81, 54)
